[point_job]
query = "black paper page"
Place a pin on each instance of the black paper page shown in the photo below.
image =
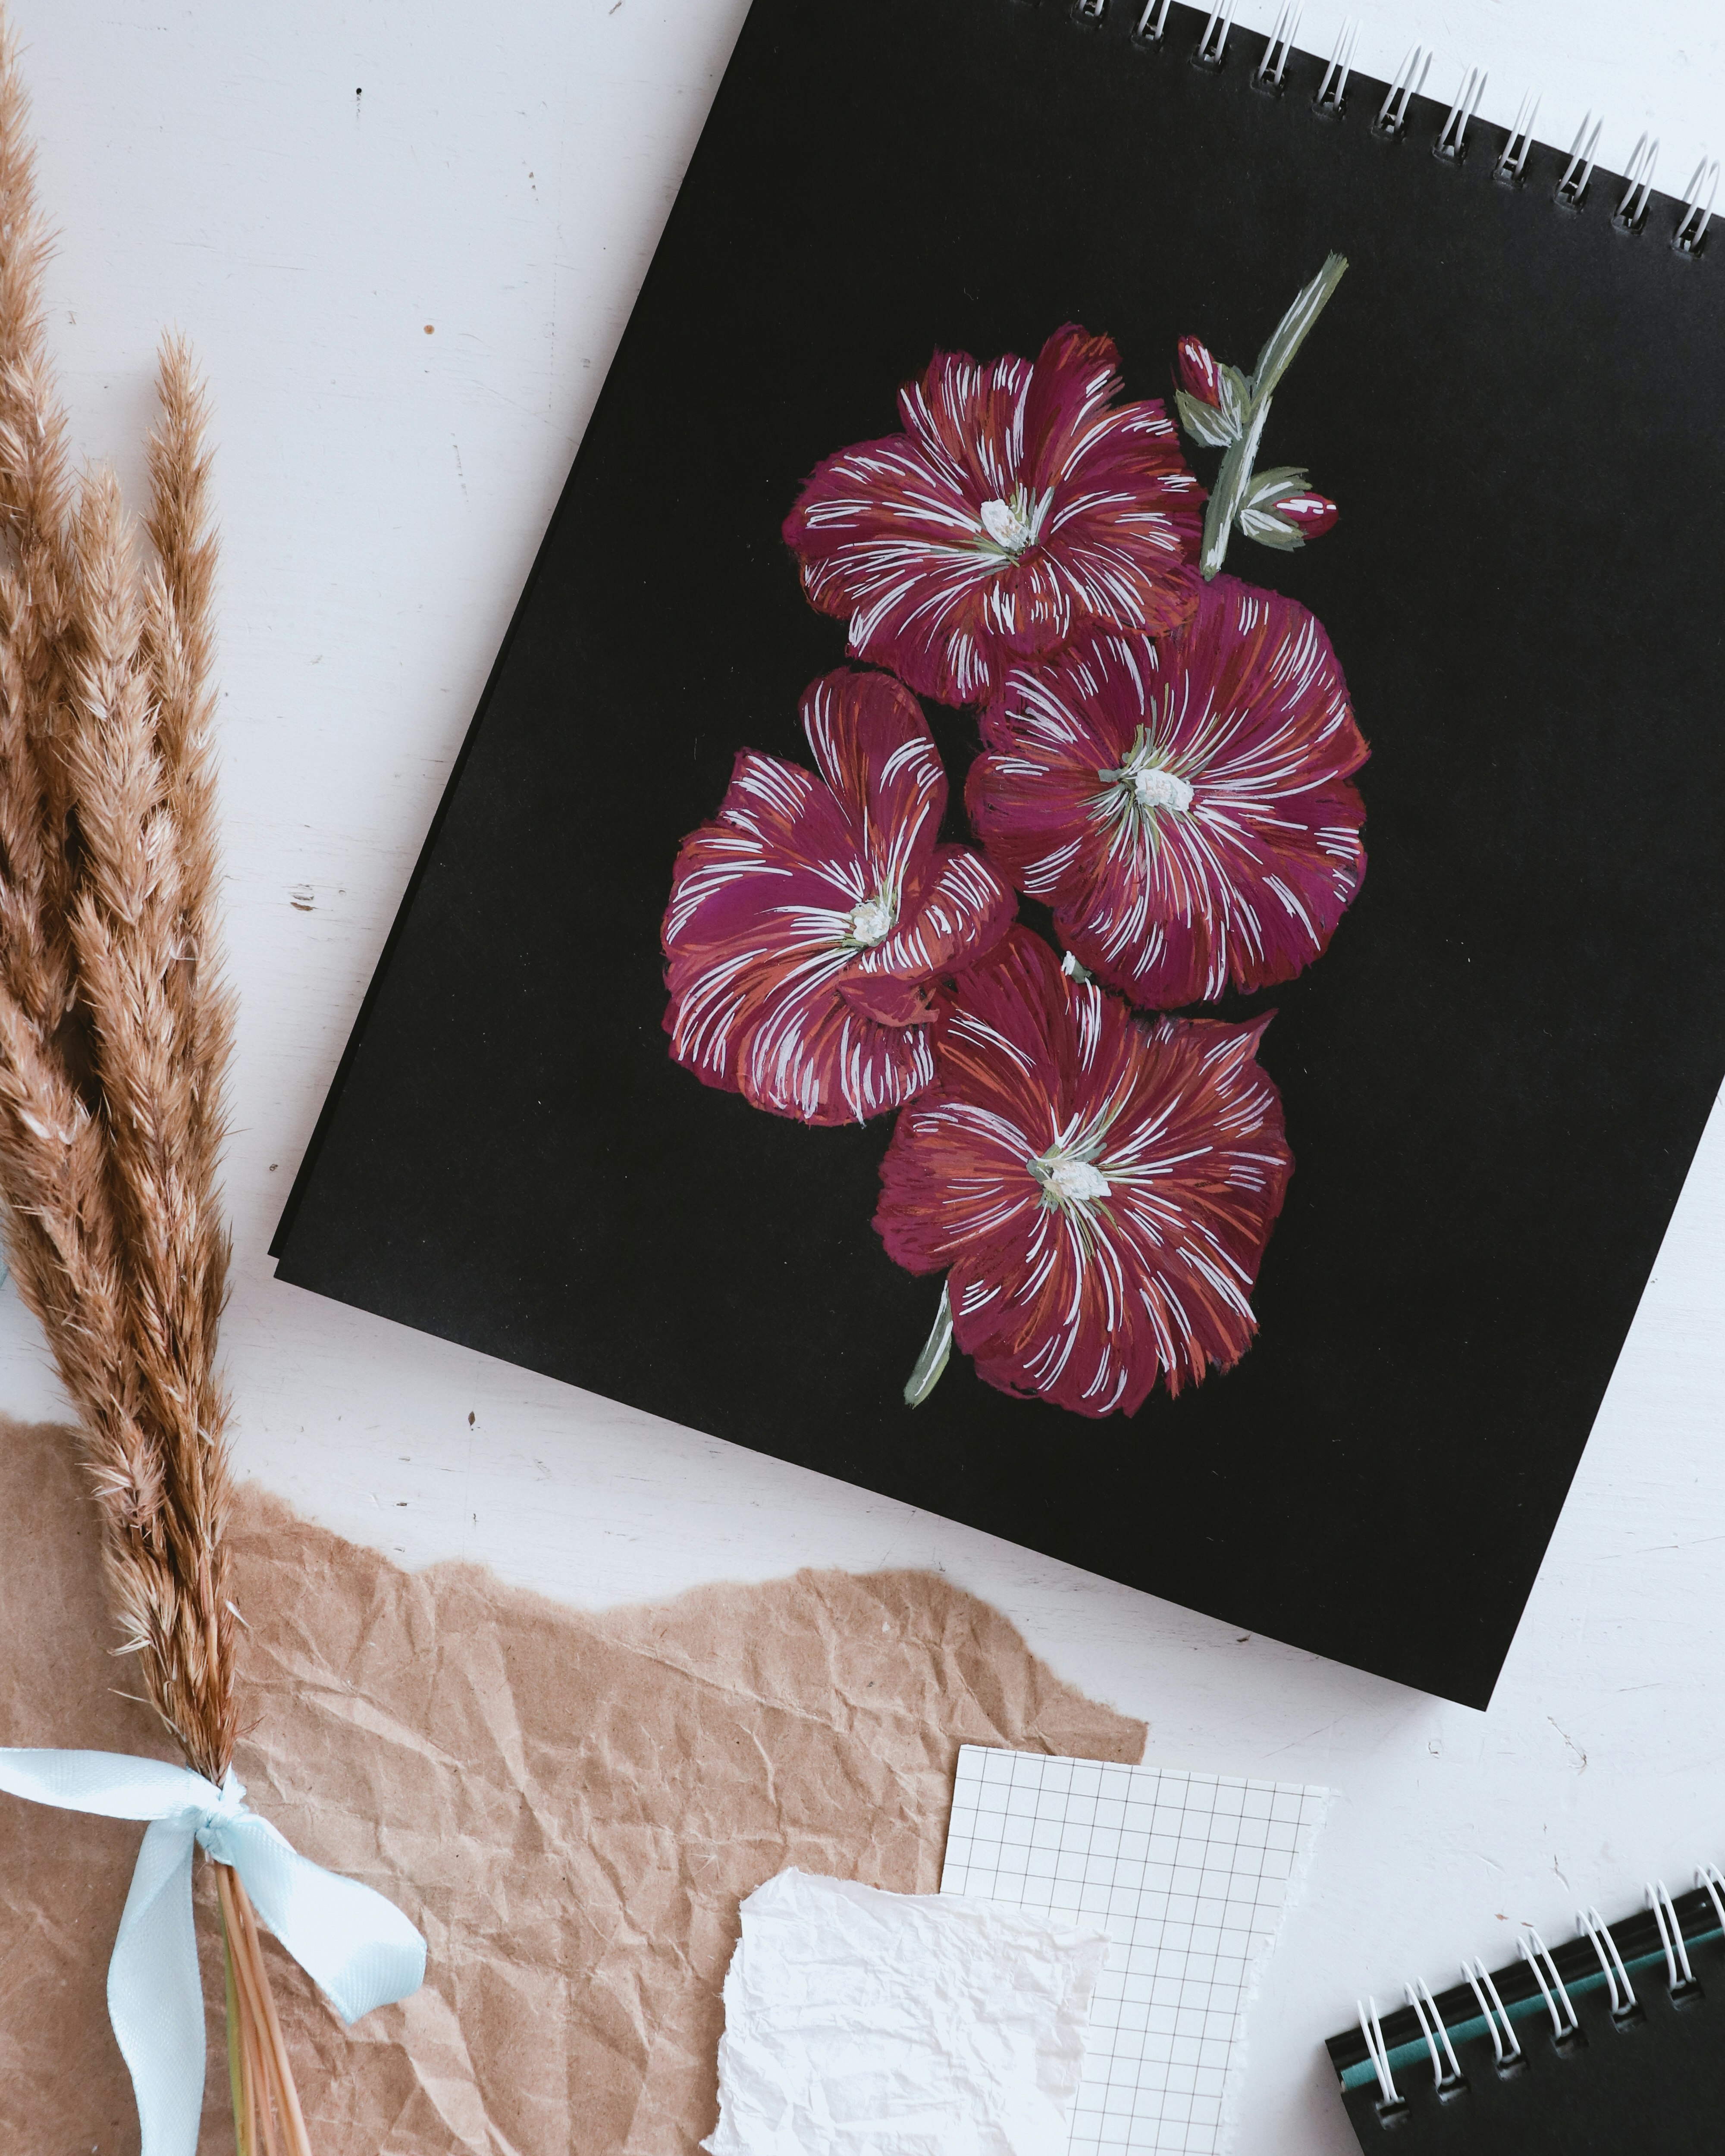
(1496, 1077)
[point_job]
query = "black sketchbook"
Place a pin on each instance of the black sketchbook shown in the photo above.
(1247, 994)
(1606, 2044)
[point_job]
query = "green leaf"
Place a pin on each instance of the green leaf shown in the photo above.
(1236, 396)
(1204, 423)
(1274, 486)
(932, 1360)
(1269, 531)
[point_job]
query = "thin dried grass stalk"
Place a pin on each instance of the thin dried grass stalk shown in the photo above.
(116, 1028)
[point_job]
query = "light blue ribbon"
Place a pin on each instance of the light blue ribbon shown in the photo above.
(360, 1948)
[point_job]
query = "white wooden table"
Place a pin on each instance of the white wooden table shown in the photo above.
(406, 238)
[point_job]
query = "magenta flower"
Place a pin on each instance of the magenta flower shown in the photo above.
(1019, 503)
(1097, 1186)
(809, 924)
(1185, 806)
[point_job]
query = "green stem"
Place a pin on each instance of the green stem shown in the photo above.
(932, 1360)
(1229, 492)
(1233, 481)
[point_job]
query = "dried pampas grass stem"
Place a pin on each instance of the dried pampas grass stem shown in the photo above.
(115, 1028)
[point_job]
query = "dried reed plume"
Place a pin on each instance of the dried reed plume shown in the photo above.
(116, 1026)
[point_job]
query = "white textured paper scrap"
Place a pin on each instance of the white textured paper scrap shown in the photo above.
(859, 2023)
(1191, 1875)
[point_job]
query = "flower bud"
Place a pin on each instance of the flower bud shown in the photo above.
(1212, 401)
(1199, 375)
(1311, 514)
(1281, 510)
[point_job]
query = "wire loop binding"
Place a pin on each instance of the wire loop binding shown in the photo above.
(1531, 1955)
(1372, 2029)
(1508, 167)
(1572, 192)
(1409, 81)
(1455, 2077)
(1477, 1974)
(1152, 33)
(1222, 13)
(1089, 11)
(1269, 72)
(1590, 1921)
(1676, 1953)
(1688, 242)
(1332, 101)
(1710, 1876)
(1631, 212)
(1452, 143)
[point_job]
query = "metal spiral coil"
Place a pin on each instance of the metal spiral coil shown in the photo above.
(1630, 214)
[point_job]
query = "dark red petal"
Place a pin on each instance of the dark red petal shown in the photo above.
(1245, 704)
(1199, 375)
(814, 1057)
(888, 1000)
(892, 534)
(759, 938)
(967, 420)
(1086, 1304)
(962, 908)
(873, 747)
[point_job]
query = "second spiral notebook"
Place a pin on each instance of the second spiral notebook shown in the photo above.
(1089, 889)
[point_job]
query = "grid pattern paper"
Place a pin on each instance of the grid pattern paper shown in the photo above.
(1188, 1875)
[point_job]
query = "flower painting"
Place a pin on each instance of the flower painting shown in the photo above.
(1097, 1186)
(811, 923)
(1187, 805)
(1168, 762)
(1022, 501)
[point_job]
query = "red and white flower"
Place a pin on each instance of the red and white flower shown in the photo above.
(810, 923)
(1097, 1185)
(1020, 503)
(1185, 806)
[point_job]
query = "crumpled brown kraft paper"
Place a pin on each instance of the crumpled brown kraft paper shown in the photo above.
(570, 1807)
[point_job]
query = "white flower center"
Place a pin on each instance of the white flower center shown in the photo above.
(1067, 1181)
(1154, 787)
(1145, 781)
(1012, 525)
(871, 922)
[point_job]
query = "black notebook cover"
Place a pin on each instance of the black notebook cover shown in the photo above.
(1582, 2062)
(1494, 1078)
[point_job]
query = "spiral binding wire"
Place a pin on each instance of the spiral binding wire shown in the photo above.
(1513, 156)
(1210, 54)
(1590, 1921)
(1478, 1976)
(1332, 98)
(1450, 145)
(1450, 2077)
(1561, 2027)
(1420, 2000)
(1452, 136)
(1269, 72)
(1372, 2029)
(1670, 1937)
(1409, 81)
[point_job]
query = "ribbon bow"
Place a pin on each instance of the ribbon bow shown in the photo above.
(359, 1947)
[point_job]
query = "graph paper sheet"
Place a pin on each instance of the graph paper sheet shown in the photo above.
(1188, 1875)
